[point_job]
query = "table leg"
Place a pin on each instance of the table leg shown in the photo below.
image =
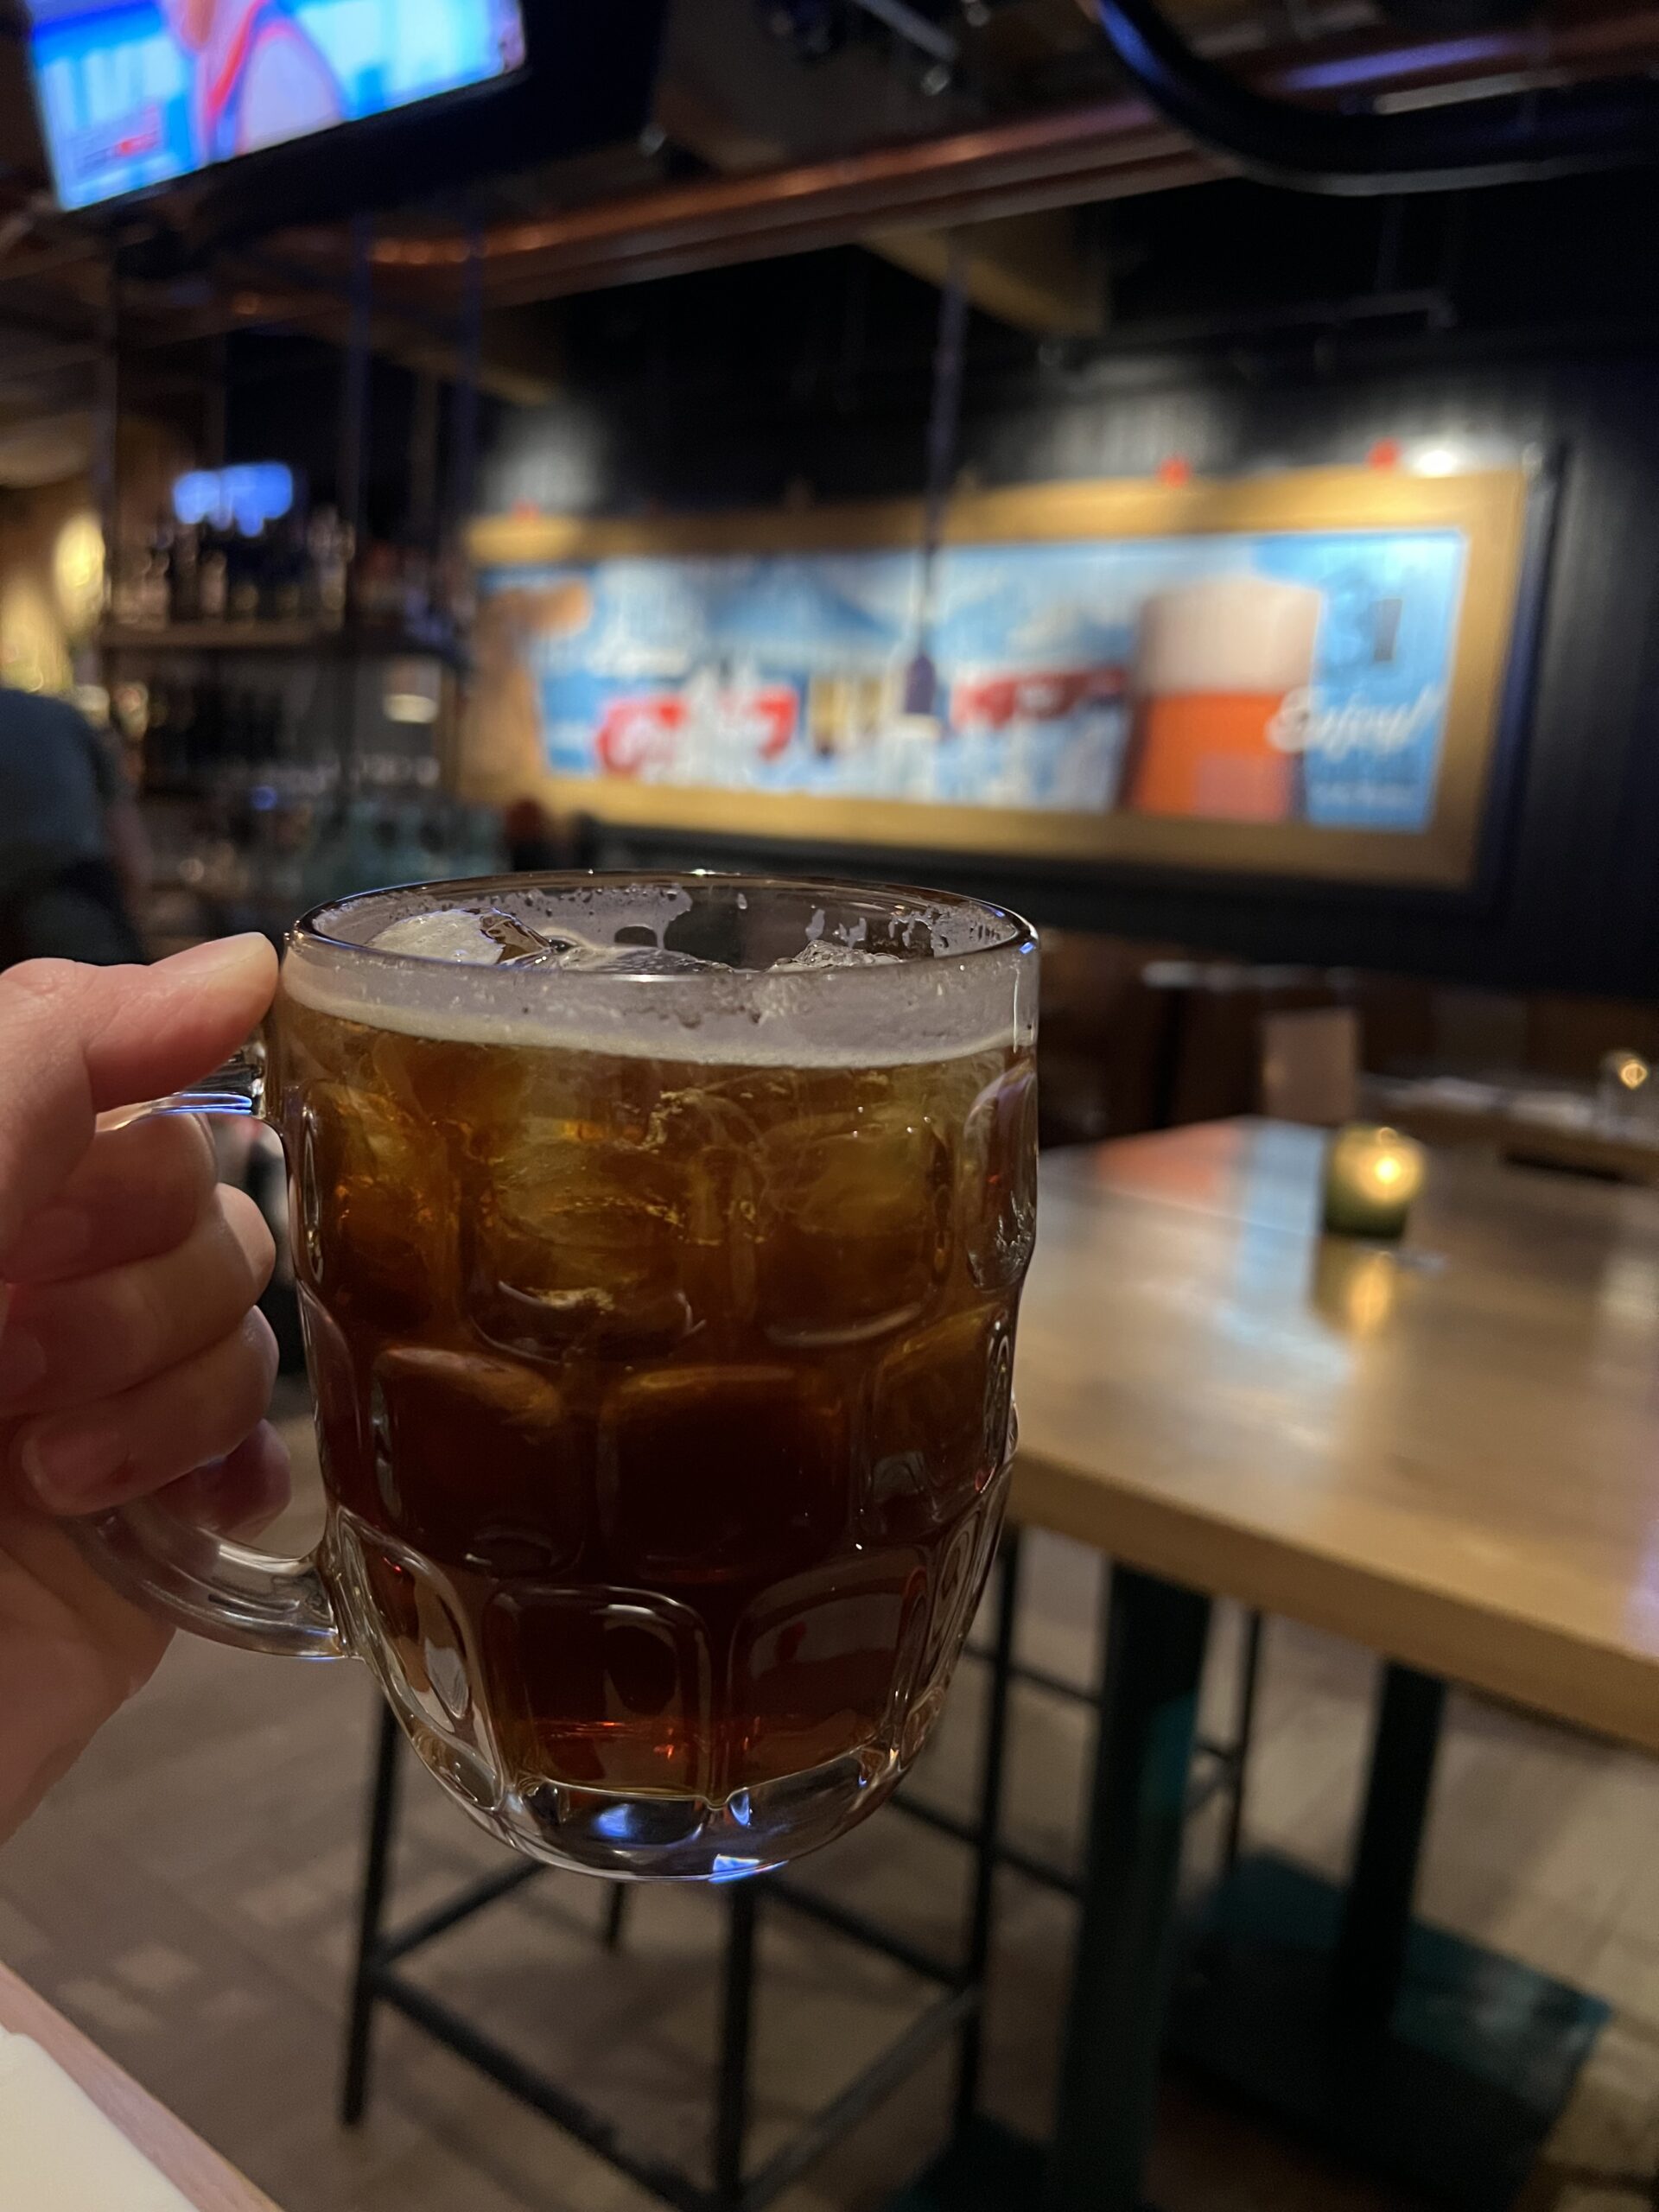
(1156, 1636)
(1399, 2047)
(1368, 1962)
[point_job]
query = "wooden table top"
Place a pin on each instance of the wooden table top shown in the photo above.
(200, 2175)
(1450, 1454)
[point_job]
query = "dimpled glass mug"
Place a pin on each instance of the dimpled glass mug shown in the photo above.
(659, 1243)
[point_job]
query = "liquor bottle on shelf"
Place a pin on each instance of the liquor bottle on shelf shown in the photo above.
(245, 577)
(185, 581)
(155, 593)
(417, 595)
(171, 740)
(207, 734)
(330, 544)
(265, 730)
(213, 576)
(127, 586)
(158, 744)
(378, 584)
(285, 572)
(246, 738)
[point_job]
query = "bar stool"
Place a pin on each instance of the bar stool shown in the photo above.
(956, 2012)
(953, 2013)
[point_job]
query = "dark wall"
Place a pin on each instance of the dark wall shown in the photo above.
(1252, 330)
(286, 401)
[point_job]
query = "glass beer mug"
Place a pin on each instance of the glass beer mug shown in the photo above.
(659, 1245)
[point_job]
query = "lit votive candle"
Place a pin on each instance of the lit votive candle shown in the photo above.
(1371, 1176)
(1623, 1088)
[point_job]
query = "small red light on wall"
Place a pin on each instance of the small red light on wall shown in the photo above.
(1385, 454)
(1175, 469)
(525, 510)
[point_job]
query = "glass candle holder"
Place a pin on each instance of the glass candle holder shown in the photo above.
(1623, 1089)
(1371, 1176)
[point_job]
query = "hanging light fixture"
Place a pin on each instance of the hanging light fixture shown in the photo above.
(945, 418)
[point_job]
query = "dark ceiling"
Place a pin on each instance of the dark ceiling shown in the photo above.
(882, 129)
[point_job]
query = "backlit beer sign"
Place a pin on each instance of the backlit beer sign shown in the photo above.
(1296, 674)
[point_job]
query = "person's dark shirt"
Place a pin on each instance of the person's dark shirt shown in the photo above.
(58, 780)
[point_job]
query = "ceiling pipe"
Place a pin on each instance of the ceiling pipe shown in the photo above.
(1106, 149)
(1038, 161)
(915, 29)
(1514, 137)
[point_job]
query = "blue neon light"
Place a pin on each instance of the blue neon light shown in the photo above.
(244, 499)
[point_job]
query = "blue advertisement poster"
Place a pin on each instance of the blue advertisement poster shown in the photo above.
(1267, 676)
(136, 93)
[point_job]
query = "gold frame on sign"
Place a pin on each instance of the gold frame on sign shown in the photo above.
(1488, 506)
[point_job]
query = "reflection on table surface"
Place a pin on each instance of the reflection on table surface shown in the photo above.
(1450, 1459)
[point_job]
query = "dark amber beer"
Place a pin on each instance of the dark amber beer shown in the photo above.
(659, 1248)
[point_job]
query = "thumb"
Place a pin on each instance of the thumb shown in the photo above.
(75, 1041)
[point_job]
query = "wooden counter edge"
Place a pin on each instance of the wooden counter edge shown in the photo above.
(1548, 1669)
(209, 2183)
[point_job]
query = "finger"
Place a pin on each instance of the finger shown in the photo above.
(133, 1445)
(239, 1495)
(74, 1040)
(70, 1343)
(138, 1192)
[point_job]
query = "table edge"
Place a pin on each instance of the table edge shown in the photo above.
(205, 2178)
(1553, 1672)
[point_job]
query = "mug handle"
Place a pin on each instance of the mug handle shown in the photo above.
(220, 1589)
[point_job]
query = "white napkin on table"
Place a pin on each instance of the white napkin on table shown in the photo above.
(58, 2153)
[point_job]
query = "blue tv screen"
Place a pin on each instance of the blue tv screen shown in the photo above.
(134, 93)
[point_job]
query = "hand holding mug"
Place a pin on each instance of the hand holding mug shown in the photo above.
(132, 1360)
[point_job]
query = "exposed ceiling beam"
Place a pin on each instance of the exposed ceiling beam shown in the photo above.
(1011, 169)
(1025, 270)
(1029, 271)
(63, 254)
(515, 367)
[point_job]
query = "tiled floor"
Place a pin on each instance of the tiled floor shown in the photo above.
(187, 1895)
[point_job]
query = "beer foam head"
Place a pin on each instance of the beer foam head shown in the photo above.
(714, 969)
(1239, 633)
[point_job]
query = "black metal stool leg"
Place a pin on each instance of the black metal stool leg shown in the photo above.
(616, 1909)
(986, 1841)
(737, 2018)
(376, 1866)
(1249, 1675)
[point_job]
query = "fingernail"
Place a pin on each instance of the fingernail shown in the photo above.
(68, 1463)
(23, 1362)
(223, 952)
(54, 1237)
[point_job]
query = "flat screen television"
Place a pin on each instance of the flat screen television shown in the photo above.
(134, 94)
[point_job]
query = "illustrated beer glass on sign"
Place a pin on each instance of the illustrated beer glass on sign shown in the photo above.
(659, 1245)
(1219, 665)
